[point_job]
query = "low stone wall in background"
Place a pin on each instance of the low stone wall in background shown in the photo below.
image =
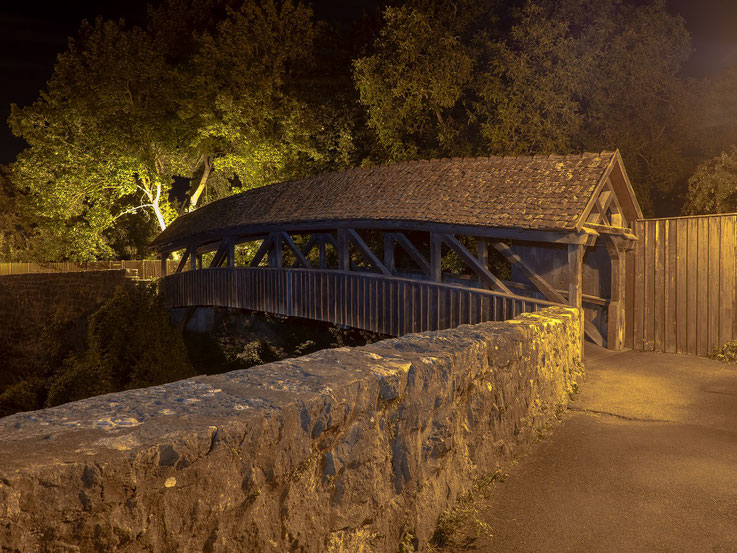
(318, 453)
(30, 303)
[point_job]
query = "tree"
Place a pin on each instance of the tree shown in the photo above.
(713, 186)
(244, 96)
(15, 228)
(524, 92)
(412, 85)
(539, 76)
(104, 138)
(208, 93)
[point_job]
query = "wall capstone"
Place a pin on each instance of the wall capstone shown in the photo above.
(344, 446)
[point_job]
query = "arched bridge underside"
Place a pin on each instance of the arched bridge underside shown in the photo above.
(387, 305)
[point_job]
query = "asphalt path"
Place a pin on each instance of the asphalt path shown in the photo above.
(644, 461)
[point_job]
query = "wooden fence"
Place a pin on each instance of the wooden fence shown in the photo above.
(680, 284)
(389, 305)
(146, 268)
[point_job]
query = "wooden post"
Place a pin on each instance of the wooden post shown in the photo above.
(163, 263)
(344, 253)
(436, 256)
(321, 247)
(575, 281)
(615, 318)
(275, 253)
(389, 252)
(482, 248)
(231, 252)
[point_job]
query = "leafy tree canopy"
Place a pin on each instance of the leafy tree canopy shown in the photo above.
(128, 110)
(538, 77)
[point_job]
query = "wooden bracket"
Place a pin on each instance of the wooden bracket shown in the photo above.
(366, 252)
(413, 252)
(483, 273)
(188, 253)
(261, 252)
(301, 259)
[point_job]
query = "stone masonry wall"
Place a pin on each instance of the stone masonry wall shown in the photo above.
(29, 303)
(326, 452)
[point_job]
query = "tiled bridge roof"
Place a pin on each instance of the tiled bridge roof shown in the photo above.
(535, 192)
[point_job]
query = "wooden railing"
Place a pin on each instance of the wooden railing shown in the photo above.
(146, 268)
(389, 305)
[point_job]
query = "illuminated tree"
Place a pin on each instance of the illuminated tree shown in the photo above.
(713, 186)
(104, 138)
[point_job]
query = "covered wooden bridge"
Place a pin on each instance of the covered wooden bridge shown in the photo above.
(421, 245)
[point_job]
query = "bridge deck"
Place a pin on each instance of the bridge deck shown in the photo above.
(388, 305)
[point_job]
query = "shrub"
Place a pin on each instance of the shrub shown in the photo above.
(131, 344)
(25, 395)
(727, 353)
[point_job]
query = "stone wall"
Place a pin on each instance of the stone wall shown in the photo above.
(31, 303)
(333, 451)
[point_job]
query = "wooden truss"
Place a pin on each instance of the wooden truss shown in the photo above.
(353, 253)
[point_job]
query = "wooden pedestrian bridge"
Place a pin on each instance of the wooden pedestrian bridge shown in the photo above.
(417, 246)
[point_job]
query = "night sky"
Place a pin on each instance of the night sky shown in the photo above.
(33, 32)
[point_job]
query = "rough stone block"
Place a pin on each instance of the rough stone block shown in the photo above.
(334, 449)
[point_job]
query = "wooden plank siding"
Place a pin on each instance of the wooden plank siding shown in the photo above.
(387, 305)
(680, 284)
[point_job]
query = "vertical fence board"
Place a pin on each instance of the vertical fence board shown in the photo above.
(702, 301)
(714, 280)
(681, 285)
(726, 278)
(670, 323)
(659, 286)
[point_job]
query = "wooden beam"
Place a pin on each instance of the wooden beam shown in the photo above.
(436, 257)
(301, 259)
(183, 261)
(251, 232)
(164, 256)
(607, 229)
(261, 252)
(413, 252)
(220, 254)
(230, 253)
(539, 282)
(389, 252)
(305, 250)
(575, 281)
(343, 250)
(616, 309)
(482, 251)
(192, 260)
(483, 273)
(275, 253)
(321, 248)
(366, 252)
(546, 289)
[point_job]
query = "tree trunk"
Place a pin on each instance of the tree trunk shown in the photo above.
(200, 187)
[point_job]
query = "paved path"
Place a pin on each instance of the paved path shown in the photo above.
(645, 461)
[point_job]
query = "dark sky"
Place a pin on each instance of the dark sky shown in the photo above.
(32, 32)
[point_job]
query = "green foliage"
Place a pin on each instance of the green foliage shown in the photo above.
(726, 354)
(16, 228)
(25, 395)
(218, 96)
(130, 345)
(534, 78)
(412, 83)
(713, 186)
